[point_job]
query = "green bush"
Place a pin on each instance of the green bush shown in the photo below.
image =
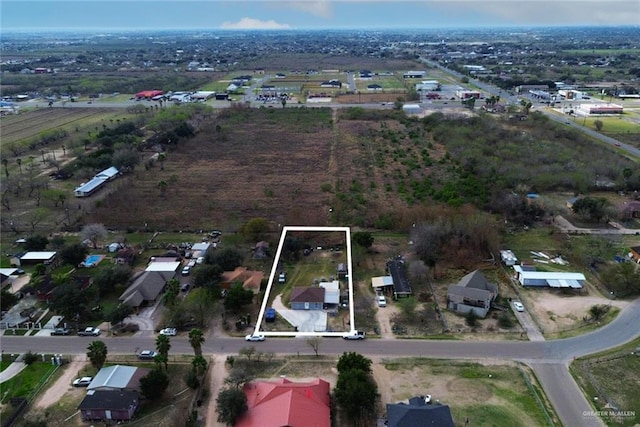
(30, 358)
(505, 321)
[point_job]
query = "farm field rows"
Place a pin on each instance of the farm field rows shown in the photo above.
(28, 125)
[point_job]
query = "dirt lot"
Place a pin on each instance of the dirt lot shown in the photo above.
(556, 312)
(62, 384)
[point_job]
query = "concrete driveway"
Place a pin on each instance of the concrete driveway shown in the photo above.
(528, 325)
(305, 320)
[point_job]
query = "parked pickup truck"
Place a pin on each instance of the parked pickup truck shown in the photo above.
(89, 332)
(355, 335)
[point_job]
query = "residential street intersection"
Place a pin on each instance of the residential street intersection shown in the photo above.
(549, 359)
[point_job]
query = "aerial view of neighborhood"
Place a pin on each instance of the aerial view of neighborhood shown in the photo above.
(319, 213)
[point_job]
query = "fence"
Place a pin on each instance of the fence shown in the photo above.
(533, 391)
(22, 403)
(445, 324)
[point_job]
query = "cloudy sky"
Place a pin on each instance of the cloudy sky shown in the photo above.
(310, 14)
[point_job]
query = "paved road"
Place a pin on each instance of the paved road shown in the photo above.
(566, 226)
(549, 359)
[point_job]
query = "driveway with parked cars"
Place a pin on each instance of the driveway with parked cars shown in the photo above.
(305, 320)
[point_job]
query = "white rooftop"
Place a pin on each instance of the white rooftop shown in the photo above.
(36, 256)
(163, 266)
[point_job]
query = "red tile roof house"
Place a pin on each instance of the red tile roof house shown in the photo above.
(285, 403)
(251, 280)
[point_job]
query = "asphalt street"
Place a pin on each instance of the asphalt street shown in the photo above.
(549, 359)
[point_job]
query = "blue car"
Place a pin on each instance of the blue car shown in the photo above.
(270, 315)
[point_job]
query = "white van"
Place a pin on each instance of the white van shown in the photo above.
(381, 300)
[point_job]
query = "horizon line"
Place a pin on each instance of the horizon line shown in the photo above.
(293, 29)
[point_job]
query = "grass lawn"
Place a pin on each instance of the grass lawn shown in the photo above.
(320, 264)
(26, 381)
(4, 364)
(614, 378)
(539, 239)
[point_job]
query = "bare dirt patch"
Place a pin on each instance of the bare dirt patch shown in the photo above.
(466, 387)
(259, 160)
(557, 312)
(62, 384)
(217, 374)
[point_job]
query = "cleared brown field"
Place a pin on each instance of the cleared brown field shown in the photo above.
(262, 163)
(293, 166)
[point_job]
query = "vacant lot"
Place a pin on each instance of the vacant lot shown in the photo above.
(481, 393)
(611, 381)
(250, 167)
(27, 125)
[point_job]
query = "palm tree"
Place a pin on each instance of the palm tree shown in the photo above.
(97, 353)
(19, 162)
(5, 163)
(163, 345)
(161, 158)
(199, 366)
(196, 339)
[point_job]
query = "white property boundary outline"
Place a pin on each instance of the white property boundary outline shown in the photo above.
(272, 276)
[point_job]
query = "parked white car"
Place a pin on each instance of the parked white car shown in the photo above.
(168, 331)
(381, 300)
(517, 305)
(89, 332)
(82, 382)
(254, 338)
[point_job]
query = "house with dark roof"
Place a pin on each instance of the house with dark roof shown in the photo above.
(418, 413)
(260, 250)
(146, 288)
(285, 403)
(309, 298)
(630, 210)
(374, 87)
(109, 405)
(398, 273)
(472, 293)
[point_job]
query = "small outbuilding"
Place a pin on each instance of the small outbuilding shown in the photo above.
(398, 273)
(37, 257)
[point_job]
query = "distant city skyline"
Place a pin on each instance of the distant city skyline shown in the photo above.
(47, 15)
